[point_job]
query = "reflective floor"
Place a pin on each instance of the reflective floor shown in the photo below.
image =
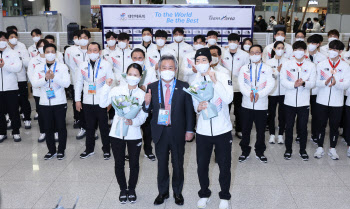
(28, 181)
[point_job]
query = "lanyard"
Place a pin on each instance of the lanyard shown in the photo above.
(333, 66)
(299, 65)
(98, 67)
(54, 69)
(171, 94)
(251, 77)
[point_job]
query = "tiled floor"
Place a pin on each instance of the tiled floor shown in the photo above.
(27, 181)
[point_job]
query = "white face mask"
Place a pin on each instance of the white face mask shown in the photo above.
(36, 39)
(147, 38)
(214, 60)
(299, 54)
(160, 42)
(202, 68)
(331, 39)
(13, 41)
(233, 46)
(211, 41)
(132, 80)
(167, 75)
(198, 46)
(111, 42)
(50, 57)
(41, 50)
(279, 38)
(121, 44)
(279, 52)
(93, 56)
(299, 39)
(3, 44)
(178, 38)
(332, 54)
(76, 42)
(246, 47)
(83, 42)
(312, 47)
(139, 62)
(255, 58)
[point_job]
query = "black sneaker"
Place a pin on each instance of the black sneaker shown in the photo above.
(297, 140)
(76, 124)
(304, 156)
(86, 154)
(106, 156)
(151, 157)
(127, 157)
(123, 196)
(132, 196)
(287, 155)
(60, 156)
(49, 156)
(243, 158)
(262, 158)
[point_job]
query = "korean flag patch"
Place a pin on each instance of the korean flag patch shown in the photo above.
(229, 82)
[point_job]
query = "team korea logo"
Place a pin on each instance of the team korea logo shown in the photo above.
(123, 17)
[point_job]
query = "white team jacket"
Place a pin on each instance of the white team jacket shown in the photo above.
(76, 57)
(346, 56)
(153, 56)
(148, 76)
(288, 51)
(8, 73)
(187, 63)
(106, 53)
(278, 90)
(24, 57)
(234, 64)
(120, 60)
(67, 55)
(180, 49)
(324, 50)
(223, 96)
(33, 63)
(106, 96)
(317, 58)
(83, 80)
(332, 96)
(33, 51)
(152, 46)
(58, 84)
(298, 97)
(265, 85)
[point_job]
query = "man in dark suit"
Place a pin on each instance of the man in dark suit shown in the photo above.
(170, 131)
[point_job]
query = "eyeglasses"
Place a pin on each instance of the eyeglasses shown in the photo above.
(254, 53)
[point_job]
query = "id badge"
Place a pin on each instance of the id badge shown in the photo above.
(50, 93)
(163, 117)
(92, 89)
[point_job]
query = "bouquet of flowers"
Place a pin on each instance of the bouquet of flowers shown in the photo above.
(126, 107)
(204, 91)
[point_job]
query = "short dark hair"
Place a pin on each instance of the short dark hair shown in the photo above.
(308, 19)
(336, 44)
(3, 34)
(299, 45)
(180, 30)
(256, 45)
(313, 39)
(123, 36)
(66, 47)
(273, 53)
(319, 37)
(333, 32)
(76, 33)
(36, 31)
(273, 17)
(201, 37)
(86, 32)
(212, 33)
(300, 31)
(11, 28)
(260, 16)
(111, 34)
(138, 50)
(217, 48)
(136, 66)
(147, 29)
(234, 37)
(161, 33)
(50, 45)
(10, 33)
(94, 43)
(316, 19)
(41, 41)
(281, 29)
(50, 37)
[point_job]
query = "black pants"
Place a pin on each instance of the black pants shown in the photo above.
(273, 101)
(134, 149)
(54, 117)
(259, 117)
(223, 148)
(23, 99)
(302, 114)
(334, 115)
(40, 116)
(79, 115)
(237, 102)
(342, 122)
(147, 135)
(94, 115)
(9, 104)
(313, 116)
(347, 125)
(169, 144)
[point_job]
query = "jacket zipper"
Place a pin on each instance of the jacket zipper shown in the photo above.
(93, 81)
(296, 96)
(123, 60)
(2, 77)
(255, 87)
(279, 80)
(50, 89)
(330, 93)
(211, 125)
(178, 59)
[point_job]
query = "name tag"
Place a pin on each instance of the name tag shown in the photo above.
(50, 93)
(163, 117)
(92, 89)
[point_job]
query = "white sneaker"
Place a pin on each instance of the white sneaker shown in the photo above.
(81, 134)
(22, 116)
(333, 154)
(7, 117)
(27, 124)
(223, 204)
(56, 136)
(341, 131)
(319, 153)
(202, 202)
(272, 139)
(41, 137)
(17, 138)
(348, 153)
(36, 116)
(8, 124)
(280, 139)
